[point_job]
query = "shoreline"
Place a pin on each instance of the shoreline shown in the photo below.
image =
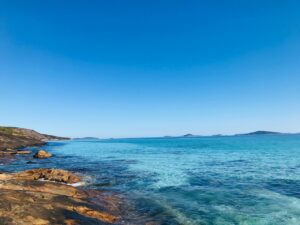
(48, 196)
(26, 199)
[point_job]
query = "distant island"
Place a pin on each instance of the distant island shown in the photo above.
(259, 132)
(262, 132)
(190, 136)
(85, 138)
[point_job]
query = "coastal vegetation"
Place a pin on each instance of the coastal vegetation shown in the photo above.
(14, 138)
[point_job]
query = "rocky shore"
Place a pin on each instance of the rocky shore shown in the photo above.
(46, 196)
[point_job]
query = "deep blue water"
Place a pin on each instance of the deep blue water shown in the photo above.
(209, 180)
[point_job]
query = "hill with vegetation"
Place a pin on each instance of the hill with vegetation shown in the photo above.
(14, 137)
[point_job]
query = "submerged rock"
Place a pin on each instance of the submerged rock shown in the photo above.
(7, 152)
(42, 154)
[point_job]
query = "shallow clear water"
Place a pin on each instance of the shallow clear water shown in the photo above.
(207, 180)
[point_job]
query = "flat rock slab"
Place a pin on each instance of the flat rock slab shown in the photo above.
(31, 201)
(56, 175)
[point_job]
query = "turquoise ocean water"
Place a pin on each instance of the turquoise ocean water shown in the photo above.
(207, 180)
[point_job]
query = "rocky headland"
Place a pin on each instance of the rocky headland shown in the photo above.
(12, 138)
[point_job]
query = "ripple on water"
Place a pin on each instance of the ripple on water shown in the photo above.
(209, 181)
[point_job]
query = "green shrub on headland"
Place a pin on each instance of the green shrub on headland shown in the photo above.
(7, 130)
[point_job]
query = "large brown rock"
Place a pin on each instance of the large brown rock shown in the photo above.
(27, 200)
(43, 207)
(42, 154)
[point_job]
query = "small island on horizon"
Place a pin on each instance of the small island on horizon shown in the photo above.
(10, 136)
(254, 133)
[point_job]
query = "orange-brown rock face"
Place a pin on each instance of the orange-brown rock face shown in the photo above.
(27, 200)
(50, 175)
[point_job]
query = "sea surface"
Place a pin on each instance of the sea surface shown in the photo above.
(247, 180)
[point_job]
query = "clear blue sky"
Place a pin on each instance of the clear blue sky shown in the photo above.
(150, 68)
